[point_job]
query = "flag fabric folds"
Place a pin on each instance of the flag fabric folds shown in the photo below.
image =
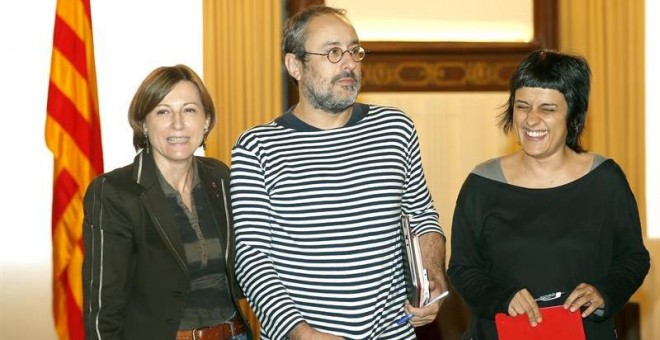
(73, 136)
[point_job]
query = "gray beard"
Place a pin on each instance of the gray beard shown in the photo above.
(327, 101)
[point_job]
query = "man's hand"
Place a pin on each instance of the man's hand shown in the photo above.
(425, 315)
(433, 257)
(303, 331)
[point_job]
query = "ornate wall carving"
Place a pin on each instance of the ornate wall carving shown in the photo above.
(449, 66)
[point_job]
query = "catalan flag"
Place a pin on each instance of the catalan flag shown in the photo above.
(73, 136)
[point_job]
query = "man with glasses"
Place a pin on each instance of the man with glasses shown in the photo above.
(317, 196)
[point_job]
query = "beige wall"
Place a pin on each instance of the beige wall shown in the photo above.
(456, 132)
(423, 20)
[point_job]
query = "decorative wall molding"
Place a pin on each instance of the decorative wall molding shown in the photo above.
(420, 75)
(449, 66)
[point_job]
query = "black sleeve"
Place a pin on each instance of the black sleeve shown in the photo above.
(108, 245)
(630, 259)
(467, 267)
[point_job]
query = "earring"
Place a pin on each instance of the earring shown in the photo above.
(146, 141)
(206, 134)
(206, 131)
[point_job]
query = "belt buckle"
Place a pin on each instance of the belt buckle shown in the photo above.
(231, 328)
(194, 332)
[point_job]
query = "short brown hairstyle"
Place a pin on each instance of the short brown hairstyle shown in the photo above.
(152, 91)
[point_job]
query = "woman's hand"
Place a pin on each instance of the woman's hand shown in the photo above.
(523, 303)
(584, 295)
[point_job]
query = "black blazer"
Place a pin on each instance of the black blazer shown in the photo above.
(135, 277)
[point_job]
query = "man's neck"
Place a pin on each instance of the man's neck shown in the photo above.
(321, 119)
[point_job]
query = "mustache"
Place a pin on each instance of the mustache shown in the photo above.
(346, 74)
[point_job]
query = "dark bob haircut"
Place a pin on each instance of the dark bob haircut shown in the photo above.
(152, 91)
(550, 69)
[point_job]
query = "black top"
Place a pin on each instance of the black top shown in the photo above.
(289, 120)
(209, 301)
(506, 238)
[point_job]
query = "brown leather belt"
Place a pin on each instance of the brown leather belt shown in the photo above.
(221, 331)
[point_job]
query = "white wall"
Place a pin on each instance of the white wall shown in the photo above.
(131, 39)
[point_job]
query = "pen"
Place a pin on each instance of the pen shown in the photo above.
(549, 297)
(407, 317)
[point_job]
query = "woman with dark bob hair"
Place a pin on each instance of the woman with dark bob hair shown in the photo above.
(157, 233)
(550, 224)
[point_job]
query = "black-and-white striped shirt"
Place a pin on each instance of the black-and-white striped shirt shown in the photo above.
(316, 215)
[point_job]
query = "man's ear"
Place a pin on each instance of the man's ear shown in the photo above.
(293, 66)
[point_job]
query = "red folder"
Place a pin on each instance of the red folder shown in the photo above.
(557, 323)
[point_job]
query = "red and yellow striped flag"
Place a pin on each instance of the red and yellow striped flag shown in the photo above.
(73, 135)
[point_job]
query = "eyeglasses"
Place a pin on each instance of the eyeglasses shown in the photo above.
(335, 54)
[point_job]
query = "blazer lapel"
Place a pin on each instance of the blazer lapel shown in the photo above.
(158, 208)
(217, 198)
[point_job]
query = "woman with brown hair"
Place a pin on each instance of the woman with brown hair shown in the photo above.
(157, 233)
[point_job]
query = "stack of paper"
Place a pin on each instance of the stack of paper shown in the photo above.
(417, 282)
